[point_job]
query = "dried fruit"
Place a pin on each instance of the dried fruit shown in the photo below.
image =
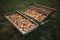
(34, 14)
(23, 23)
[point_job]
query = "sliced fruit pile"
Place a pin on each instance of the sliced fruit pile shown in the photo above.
(34, 14)
(42, 8)
(23, 23)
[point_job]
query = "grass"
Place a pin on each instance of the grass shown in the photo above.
(45, 32)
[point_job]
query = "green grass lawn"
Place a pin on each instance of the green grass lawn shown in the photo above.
(45, 32)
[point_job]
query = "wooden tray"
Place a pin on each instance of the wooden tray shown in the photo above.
(18, 19)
